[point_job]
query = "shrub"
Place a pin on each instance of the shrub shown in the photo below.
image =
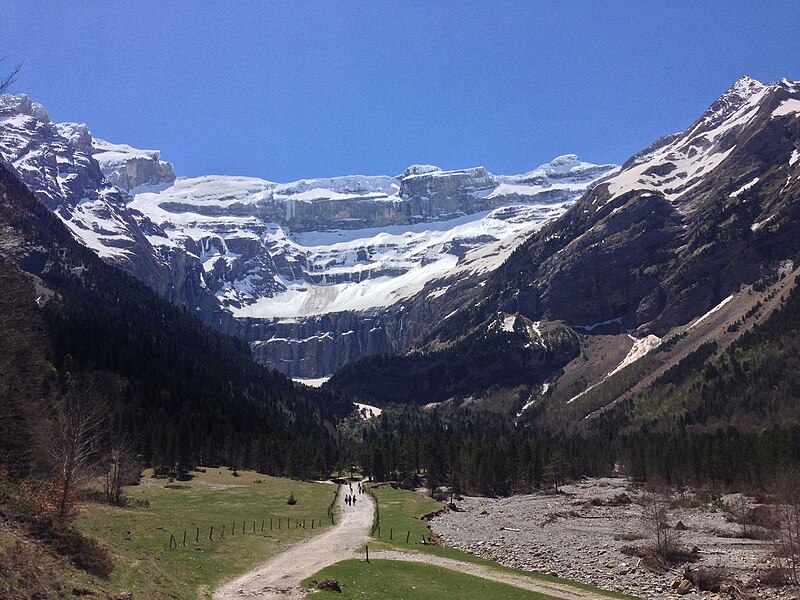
(291, 500)
(85, 552)
(787, 549)
(707, 579)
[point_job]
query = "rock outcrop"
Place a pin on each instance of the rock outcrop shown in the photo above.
(127, 168)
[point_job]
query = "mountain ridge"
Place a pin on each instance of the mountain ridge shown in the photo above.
(310, 273)
(647, 251)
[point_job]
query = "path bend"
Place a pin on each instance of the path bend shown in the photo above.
(281, 575)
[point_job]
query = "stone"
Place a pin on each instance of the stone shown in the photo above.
(329, 584)
(684, 587)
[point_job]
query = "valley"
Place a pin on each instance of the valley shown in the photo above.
(227, 371)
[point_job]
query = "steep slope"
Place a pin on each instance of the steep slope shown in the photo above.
(701, 220)
(683, 225)
(59, 163)
(181, 393)
(312, 274)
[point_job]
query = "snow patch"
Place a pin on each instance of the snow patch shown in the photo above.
(787, 107)
(508, 323)
(744, 188)
(711, 312)
(313, 382)
(759, 224)
(367, 412)
(596, 325)
(640, 348)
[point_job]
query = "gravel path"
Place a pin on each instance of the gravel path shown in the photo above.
(556, 590)
(280, 576)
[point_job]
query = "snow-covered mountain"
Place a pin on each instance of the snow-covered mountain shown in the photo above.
(318, 246)
(312, 273)
(59, 163)
(694, 240)
(683, 224)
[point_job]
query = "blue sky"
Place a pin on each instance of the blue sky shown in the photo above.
(303, 89)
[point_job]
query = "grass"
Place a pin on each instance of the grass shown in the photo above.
(400, 513)
(390, 580)
(139, 536)
(401, 510)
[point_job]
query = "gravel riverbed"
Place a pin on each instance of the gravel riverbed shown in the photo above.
(580, 533)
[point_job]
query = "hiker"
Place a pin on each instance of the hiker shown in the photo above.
(354, 500)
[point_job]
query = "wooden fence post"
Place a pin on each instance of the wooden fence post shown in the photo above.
(244, 527)
(223, 532)
(172, 541)
(211, 534)
(184, 538)
(367, 548)
(408, 535)
(262, 525)
(197, 537)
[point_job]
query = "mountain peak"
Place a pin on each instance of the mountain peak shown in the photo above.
(20, 104)
(746, 83)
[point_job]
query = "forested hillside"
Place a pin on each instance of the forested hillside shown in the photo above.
(728, 418)
(177, 393)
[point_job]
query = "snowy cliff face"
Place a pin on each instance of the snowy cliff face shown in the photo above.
(377, 240)
(320, 272)
(312, 273)
(57, 161)
(126, 167)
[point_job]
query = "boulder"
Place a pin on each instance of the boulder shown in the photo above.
(329, 584)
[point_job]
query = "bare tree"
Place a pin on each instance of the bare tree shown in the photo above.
(121, 470)
(787, 549)
(9, 79)
(81, 426)
(655, 514)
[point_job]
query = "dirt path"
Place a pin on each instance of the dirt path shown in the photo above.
(556, 590)
(280, 576)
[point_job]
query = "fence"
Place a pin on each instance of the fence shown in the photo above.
(245, 527)
(332, 506)
(257, 526)
(376, 526)
(376, 520)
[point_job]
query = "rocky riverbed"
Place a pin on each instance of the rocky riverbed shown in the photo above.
(580, 534)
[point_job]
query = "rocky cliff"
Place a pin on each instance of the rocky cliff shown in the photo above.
(57, 161)
(126, 167)
(313, 273)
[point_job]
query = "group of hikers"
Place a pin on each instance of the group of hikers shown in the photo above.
(350, 499)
